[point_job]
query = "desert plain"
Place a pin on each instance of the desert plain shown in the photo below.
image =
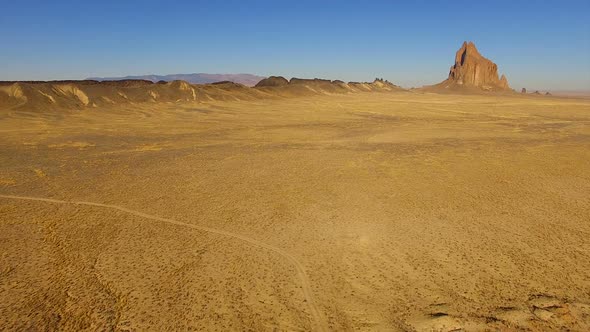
(394, 211)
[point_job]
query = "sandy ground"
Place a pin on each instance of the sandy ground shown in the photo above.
(373, 211)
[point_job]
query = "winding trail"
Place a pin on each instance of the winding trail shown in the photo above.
(318, 318)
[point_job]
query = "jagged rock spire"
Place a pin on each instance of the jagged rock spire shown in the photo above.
(472, 69)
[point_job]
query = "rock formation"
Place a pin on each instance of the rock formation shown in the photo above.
(273, 81)
(309, 81)
(78, 95)
(472, 70)
(523, 90)
(302, 86)
(504, 82)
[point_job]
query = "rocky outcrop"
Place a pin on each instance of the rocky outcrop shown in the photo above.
(78, 95)
(379, 82)
(273, 81)
(305, 86)
(504, 82)
(472, 70)
(523, 90)
(308, 81)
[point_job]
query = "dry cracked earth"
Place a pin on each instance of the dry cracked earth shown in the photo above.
(373, 211)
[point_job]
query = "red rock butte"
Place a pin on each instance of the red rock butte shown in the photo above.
(471, 69)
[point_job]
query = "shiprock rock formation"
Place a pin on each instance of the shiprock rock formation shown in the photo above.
(472, 72)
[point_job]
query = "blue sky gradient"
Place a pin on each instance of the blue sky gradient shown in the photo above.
(537, 44)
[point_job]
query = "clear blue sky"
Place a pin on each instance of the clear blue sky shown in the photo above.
(537, 44)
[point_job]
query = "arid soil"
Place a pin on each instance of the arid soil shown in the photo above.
(396, 211)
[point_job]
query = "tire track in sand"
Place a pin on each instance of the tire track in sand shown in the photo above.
(318, 319)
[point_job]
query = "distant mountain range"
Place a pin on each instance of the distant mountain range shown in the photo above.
(196, 78)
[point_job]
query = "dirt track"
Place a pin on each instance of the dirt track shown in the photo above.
(317, 318)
